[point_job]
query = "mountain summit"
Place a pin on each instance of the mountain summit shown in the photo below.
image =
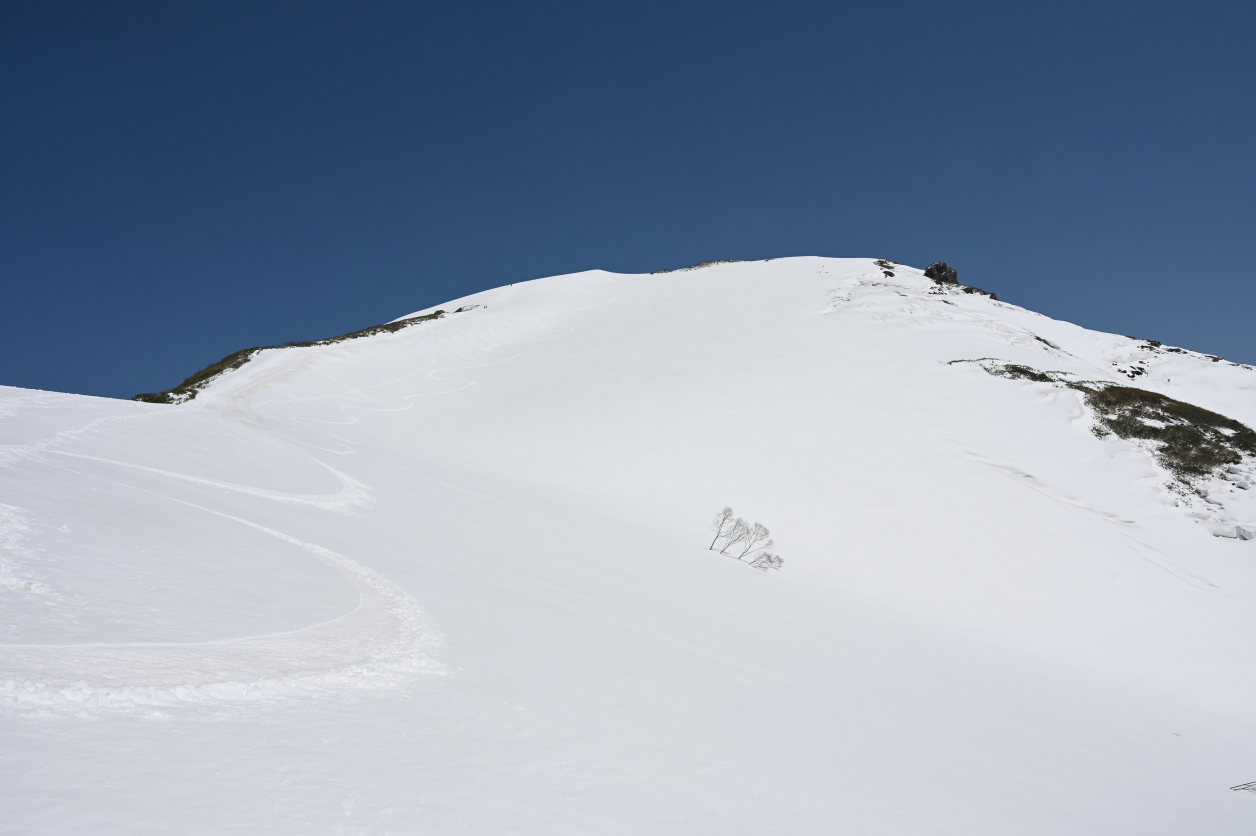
(456, 574)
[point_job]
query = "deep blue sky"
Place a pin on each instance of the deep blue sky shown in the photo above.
(181, 180)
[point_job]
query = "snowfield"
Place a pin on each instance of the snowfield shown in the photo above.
(455, 578)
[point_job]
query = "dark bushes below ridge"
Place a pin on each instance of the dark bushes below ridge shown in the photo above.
(1189, 441)
(700, 266)
(187, 390)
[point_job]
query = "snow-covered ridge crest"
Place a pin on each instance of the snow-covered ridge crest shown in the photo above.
(982, 596)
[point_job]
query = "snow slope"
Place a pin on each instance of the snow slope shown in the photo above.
(455, 579)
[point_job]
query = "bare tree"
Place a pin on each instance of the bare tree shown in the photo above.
(756, 540)
(722, 525)
(744, 540)
(768, 562)
(736, 535)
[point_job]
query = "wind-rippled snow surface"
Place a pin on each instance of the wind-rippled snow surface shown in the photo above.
(454, 579)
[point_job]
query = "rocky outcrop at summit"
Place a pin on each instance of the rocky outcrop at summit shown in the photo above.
(939, 272)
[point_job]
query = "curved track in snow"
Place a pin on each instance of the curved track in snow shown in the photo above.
(385, 638)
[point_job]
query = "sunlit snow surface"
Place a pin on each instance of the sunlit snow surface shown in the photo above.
(454, 579)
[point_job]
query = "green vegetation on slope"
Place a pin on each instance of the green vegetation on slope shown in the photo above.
(1187, 440)
(187, 390)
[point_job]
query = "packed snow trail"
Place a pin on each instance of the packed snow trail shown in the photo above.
(454, 579)
(383, 638)
(379, 639)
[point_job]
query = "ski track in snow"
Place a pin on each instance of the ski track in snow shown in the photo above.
(1058, 495)
(13, 529)
(1089, 675)
(351, 494)
(384, 640)
(1139, 546)
(12, 453)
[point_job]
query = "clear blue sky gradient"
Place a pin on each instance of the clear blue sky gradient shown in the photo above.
(181, 180)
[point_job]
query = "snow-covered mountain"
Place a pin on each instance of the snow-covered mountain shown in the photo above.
(453, 576)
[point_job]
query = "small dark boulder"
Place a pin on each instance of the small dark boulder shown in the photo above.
(978, 291)
(939, 272)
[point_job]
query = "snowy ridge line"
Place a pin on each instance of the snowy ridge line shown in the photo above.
(13, 453)
(202, 380)
(381, 642)
(352, 492)
(369, 403)
(188, 389)
(11, 405)
(865, 287)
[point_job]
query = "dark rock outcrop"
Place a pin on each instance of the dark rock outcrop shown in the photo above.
(978, 291)
(939, 272)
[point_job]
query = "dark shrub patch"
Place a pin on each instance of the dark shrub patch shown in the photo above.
(1015, 371)
(187, 390)
(1189, 441)
(700, 266)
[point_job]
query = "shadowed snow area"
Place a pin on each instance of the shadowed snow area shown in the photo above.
(455, 578)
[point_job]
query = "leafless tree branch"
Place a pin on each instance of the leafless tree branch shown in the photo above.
(768, 562)
(744, 540)
(737, 535)
(756, 540)
(722, 526)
